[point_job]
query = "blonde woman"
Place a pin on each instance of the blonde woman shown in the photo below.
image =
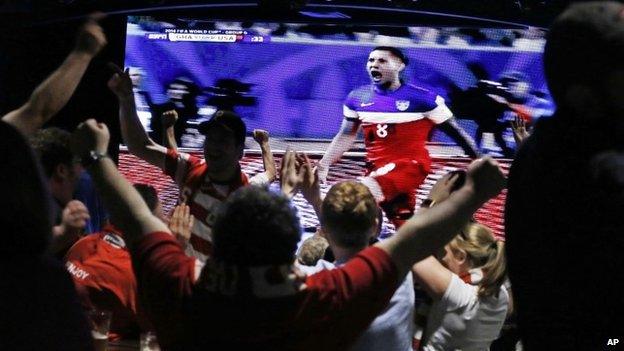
(465, 281)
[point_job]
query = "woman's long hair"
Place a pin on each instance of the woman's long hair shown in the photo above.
(485, 252)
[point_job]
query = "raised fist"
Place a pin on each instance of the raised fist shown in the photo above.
(261, 136)
(441, 190)
(486, 177)
(169, 118)
(91, 38)
(74, 217)
(120, 82)
(90, 136)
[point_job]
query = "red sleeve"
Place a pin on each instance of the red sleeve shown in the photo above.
(165, 279)
(356, 292)
(183, 167)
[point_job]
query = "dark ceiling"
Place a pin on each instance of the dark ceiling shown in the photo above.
(36, 35)
(532, 12)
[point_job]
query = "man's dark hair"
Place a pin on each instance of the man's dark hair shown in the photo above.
(25, 204)
(256, 227)
(394, 51)
(52, 147)
(584, 45)
(149, 195)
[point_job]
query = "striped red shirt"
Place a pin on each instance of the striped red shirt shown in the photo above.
(201, 195)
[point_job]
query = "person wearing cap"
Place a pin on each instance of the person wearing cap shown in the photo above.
(396, 120)
(563, 216)
(249, 295)
(204, 184)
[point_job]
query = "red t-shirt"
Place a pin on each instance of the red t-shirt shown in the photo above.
(101, 268)
(335, 307)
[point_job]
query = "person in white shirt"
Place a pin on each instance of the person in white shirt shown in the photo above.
(465, 281)
(350, 219)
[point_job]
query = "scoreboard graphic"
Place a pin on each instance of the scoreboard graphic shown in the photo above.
(208, 36)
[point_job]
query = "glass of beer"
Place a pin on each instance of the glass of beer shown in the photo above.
(149, 342)
(100, 325)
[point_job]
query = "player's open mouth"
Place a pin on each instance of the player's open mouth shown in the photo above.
(376, 75)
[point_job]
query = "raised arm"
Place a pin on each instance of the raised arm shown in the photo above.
(54, 92)
(423, 235)
(310, 187)
(452, 129)
(291, 176)
(262, 138)
(133, 133)
(520, 133)
(169, 119)
(432, 276)
(341, 143)
(126, 206)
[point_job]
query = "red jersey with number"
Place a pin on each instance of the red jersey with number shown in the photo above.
(396, 124)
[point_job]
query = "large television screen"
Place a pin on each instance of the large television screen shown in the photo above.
(292, 79)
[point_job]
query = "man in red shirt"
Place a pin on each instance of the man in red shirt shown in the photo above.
(248, 295)
(102, 272)
(204, 184)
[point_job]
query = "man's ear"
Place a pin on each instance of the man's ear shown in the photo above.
(61, 171)
(401, 67)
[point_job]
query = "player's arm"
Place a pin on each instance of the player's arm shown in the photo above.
(169, 119)
(341, 143)
(126, 206)
(442, 116)
(262, 138)
(452, 129)
(132, 130)
(424, 234)
(54, 92)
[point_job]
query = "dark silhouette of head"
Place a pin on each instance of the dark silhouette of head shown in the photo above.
(256, 227)
(25, 202)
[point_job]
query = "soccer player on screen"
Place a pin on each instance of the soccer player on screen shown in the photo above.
(396, 119)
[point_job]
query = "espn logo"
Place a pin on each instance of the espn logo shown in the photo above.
(157, 36)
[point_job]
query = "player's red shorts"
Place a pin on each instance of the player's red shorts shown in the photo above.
(398, 181)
